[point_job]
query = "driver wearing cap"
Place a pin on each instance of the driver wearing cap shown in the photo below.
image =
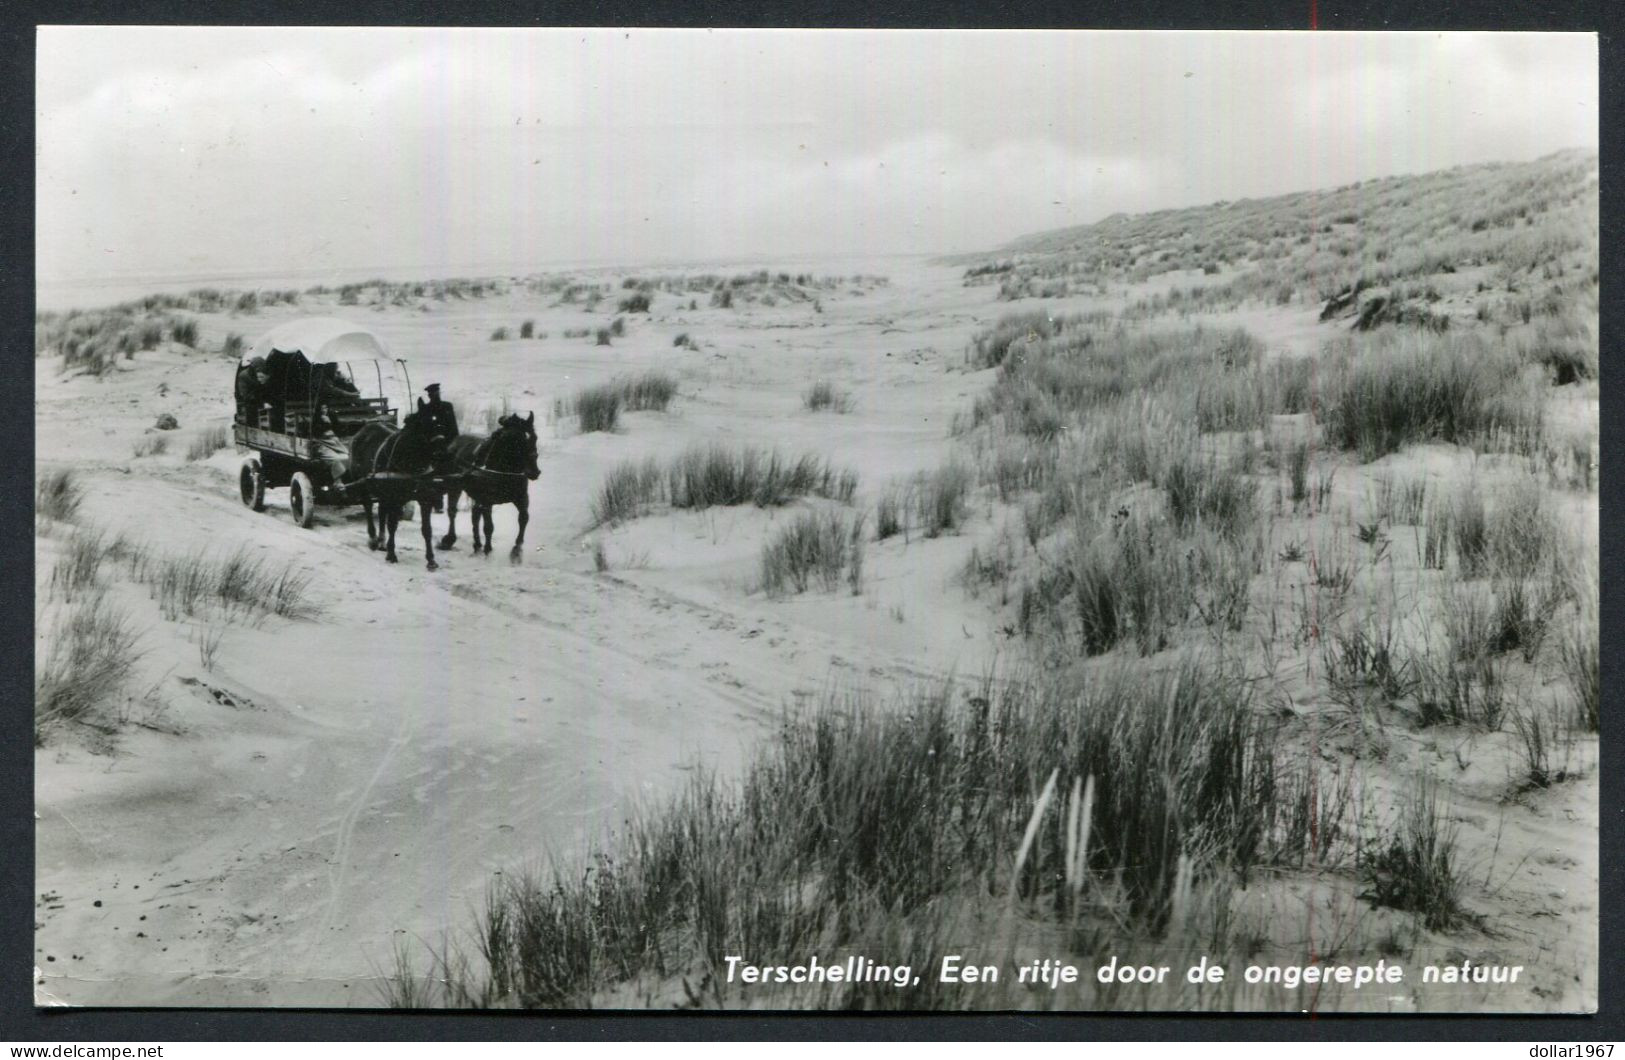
(443, 421)
(441, 414)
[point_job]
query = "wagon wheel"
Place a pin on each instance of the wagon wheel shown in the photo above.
(251, 484)
(302, 498)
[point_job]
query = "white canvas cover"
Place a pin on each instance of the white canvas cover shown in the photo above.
(321, 339)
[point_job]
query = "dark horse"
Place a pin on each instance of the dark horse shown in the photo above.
(390, 466)
(492, 471)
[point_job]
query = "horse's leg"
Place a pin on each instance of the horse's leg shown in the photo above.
(474, 521)
(489, 507)
(392, 519)
(374, 538)
(428, 532)
(450, 540)
(523, 504)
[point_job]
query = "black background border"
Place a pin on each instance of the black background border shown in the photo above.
(20, 1021)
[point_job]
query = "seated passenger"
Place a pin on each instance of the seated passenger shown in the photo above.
(251, 381)
(341, 382)
(330, 449)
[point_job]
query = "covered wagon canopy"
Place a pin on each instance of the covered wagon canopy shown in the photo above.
(305, 359)
(320, 339)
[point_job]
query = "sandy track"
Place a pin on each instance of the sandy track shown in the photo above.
(360, 777)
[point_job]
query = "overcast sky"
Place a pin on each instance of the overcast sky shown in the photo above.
(172, 150)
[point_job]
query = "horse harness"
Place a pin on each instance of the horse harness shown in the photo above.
(483, 454)
(390, 444)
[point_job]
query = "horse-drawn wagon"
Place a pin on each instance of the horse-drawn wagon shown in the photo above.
(307, 427)
(298, 407)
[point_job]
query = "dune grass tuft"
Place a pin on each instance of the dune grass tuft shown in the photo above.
(628, 491)
(57, 495)
(712, 475)
(598, 407)
(92, 649)
(1385, 395)
(709, 476)
(207, 442)
(184, 331)
(650, 391)
(891, 512)
(1414, 867)
(821, 546)
(823, 396)
(941, 499)
(852, 816)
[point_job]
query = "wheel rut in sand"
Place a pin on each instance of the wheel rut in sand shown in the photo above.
(638, 624)
(339, 864)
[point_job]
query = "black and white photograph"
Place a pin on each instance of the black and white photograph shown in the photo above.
(816, 520)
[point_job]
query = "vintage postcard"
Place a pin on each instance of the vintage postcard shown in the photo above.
(650, 519)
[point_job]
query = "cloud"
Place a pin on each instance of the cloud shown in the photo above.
(1416, 102)
(168, 150)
